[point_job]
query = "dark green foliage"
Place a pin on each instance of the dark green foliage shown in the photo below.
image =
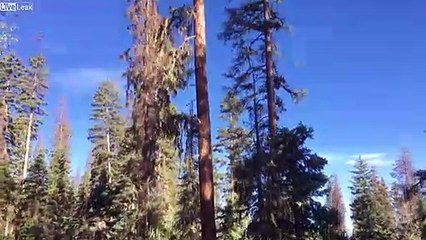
(35, 87)
(60, 191)
(188, 214)
(188, 220)
(13, 74)
(141, 182)
(80, 206)
(32, 212)
(362, 203)
(99, 199)
(235, 142)
(124, 208)
(372, 212)
(21, 96)
(384, 218)
(296, 180)
(105, 134)
(326, 224)
(107, 129)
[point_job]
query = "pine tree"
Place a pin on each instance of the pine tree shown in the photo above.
(7, 38)
(249, 28)
(59, 186)
(406, 205)
(384, 214)
(124, 206)
(362, 204)
(235, 142)
(336, 208)
(255, 79)
(107, 129)
(188, 214)
(13, 74)
(5, 183)
(105, 135)
(32, 213)
(33, 101)
(12, 71)
(296, 180)
(81, 206)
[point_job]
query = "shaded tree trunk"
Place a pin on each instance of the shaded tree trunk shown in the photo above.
(108, 139)
(208, 226)
(269, 70)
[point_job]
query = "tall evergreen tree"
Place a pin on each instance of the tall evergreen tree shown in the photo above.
(125, 194)
(235, 142)
(12, 73)
(105, 135)
(32, 221)
(81, 203)
(362, 203)
(108, 125)
(59, 185)
(296, 181)
(383, 210)
(6, 39)
(188, 215)
(249, 28)
(33, 102)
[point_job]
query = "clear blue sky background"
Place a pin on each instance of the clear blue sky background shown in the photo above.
(363, 63)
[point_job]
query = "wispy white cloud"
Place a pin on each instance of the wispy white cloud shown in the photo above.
(374, 159)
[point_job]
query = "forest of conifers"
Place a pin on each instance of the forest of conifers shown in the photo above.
(153, 172)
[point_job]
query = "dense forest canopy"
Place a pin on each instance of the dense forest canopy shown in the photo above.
(160, 171)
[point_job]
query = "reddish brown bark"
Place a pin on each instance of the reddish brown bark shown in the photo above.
(208, 226)
(269, 70)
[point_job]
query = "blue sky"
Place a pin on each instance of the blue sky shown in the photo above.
(362, 62)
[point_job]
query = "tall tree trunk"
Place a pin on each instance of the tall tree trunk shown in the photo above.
(208, 226)
(27, 146)
(269, 70)
(108, 139)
